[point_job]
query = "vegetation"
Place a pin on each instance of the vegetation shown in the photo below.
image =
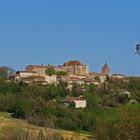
(109, 114)
(50, 71)
(6, 72)
(61, 73)
(97, 78)
(15, 129)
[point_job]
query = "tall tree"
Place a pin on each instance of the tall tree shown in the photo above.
(6, 72)
(3, 73)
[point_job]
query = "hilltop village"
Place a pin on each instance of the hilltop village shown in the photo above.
(70, 72)
(71, 97)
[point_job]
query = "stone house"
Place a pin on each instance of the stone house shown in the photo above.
(28, 77)
(76, 68)
(79, 103)
(117, 77)
(105, 70)
(97, 77)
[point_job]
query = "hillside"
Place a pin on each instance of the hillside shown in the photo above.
(111, 111)
(10, 127)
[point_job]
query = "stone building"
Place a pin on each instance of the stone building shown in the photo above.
(40, 69)
(28, 77)
(97, 77)
(105, 70)
(79, 103)
(76, 68)
(26, 73)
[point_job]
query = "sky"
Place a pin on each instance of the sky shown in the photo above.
(55, 31)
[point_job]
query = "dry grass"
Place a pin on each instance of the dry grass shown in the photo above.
(10, 126)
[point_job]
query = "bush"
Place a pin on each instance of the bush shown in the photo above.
(50, 71)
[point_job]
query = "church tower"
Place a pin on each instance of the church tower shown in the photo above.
(105, 69)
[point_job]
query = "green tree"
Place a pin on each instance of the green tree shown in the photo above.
(97, 78)
(76, 90)
(61, 88)
(23, 108)
(93, 101)
(52, 91)
(50, 71)
(3, 73)
(91, 88)
(61, 73)
(6, 72)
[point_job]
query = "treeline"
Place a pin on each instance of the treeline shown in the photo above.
(109, 113)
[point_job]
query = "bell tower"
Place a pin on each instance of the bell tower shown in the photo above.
(105, 69)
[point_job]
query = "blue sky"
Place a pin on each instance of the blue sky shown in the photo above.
(54, 31)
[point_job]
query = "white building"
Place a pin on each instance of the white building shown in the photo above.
(79, 103)
(118, 76)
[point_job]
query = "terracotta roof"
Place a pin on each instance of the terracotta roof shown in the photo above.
(94, 73)
(70, 99)
(105, 66)
(75, 78)
(87, 80)
(72, 63)
(38, 66)
(67, 80)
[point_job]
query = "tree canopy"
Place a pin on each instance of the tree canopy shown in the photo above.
(6, 72)
(50, 71)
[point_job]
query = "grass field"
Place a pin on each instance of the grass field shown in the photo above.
(9, 125)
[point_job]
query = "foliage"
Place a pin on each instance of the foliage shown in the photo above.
(91, 88)
(93, 101)
(107, 111)
(125, 124)
(97, 78)
(50, 71)
(6, 72)
(19, 133)
(3, 73)
(62, 90)
(117, 85)
(23, 108)
(61, 73)
(76, 90)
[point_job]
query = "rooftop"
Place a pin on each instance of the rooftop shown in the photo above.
(70, 99)
(73, 63)
(38, 66)
(105, 66)
(18, 72)
(87, 79)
